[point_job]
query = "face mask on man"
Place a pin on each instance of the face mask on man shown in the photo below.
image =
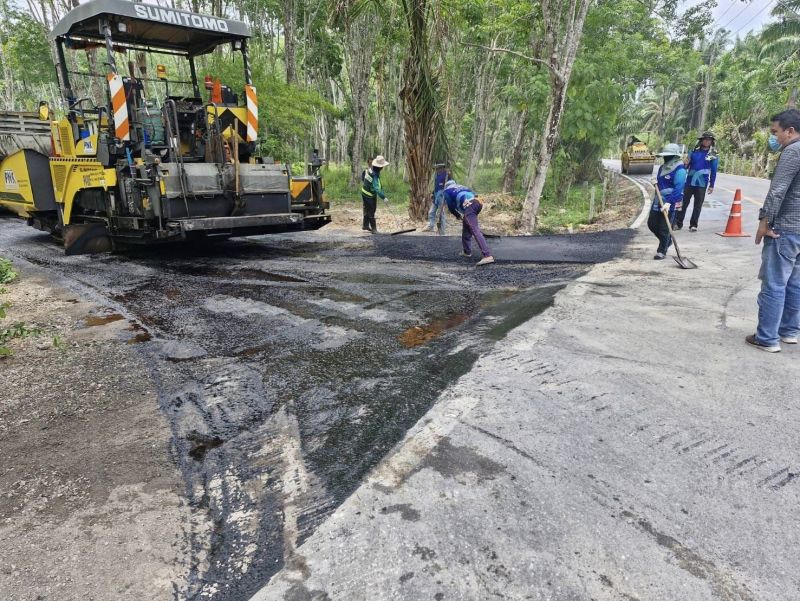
(773, 143)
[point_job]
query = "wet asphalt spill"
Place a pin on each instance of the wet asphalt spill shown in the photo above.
(289, 366)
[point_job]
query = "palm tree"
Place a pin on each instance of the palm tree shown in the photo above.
(781, 40)
(425, 135)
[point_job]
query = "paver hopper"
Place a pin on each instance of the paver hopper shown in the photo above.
(152, 159)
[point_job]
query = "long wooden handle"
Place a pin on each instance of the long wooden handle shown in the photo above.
(669, 225)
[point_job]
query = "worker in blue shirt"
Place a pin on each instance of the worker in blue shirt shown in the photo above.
(465, 206)
(670, 181)
(436, 216)
(702, 165)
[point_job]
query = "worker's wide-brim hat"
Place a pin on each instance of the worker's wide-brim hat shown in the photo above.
(670, 150)
(379, 161)
(706, 134)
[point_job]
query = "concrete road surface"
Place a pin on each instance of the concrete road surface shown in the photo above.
(624, 445)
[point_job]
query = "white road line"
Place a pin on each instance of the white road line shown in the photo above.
(645, 206)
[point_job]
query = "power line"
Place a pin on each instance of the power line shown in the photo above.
(746, 6)
(766, 6)
(719, 18)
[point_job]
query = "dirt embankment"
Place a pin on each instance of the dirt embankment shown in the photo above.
(90, 504)
(500, 214)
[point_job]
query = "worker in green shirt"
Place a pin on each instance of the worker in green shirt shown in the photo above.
(371, 190)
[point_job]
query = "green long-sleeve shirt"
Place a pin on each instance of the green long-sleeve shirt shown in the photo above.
(371, 186)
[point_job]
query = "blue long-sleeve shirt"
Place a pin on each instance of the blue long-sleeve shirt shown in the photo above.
(671, 182)
(455, 197)
(439, 181)
(702, 168)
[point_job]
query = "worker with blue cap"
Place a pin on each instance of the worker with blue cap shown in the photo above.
(465, 206)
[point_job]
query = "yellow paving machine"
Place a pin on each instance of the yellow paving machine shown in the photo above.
(637, 158)
(139, 165)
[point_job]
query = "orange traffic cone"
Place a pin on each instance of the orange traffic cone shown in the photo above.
(734, 227)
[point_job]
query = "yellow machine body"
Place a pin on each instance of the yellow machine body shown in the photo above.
(637, 158)
(71, 176)
(76, 139)
(228, 116)
(16, 193)
(140, 164)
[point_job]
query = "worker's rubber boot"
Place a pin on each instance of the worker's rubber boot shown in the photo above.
(373, 226)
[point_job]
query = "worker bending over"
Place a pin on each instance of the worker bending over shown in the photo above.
(464, 205)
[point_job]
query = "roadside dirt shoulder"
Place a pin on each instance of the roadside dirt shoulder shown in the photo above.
(90, 503)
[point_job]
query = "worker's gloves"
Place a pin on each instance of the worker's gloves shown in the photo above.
(386, 200)
(666, 206)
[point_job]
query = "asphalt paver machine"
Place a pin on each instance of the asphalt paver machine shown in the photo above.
(143, 166)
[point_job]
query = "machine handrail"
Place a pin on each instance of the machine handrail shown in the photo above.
(221, 148)
(175, 147)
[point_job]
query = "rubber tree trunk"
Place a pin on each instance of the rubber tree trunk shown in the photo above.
(289, 41)
(481, 109)
(709, 75)
(563, 31)
(530, 207)
(514, 160)
(359, 47)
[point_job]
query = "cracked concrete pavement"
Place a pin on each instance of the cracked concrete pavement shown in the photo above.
(624, 445)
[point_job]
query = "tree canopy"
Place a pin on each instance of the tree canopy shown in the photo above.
(472, 82)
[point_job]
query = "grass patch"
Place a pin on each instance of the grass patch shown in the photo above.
(7, 273)
(488, 179)
(17, 330)
(336, 178)
(557, 213)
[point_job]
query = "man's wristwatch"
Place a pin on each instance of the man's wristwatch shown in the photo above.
(761, 213)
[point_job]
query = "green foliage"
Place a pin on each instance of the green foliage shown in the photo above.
(4, 307)
(58, 342)
(643, 66)
(286, 112)
(336, 179)
(7, 273)
(559, 212)
(17, 330)
(487, 179)
(26, 53)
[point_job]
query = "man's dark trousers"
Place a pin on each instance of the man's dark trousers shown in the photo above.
(370, 204)
(699, 193)
(658, 225)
